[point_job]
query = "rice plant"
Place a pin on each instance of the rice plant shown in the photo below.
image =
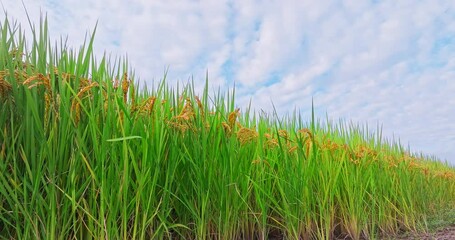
(87, 154)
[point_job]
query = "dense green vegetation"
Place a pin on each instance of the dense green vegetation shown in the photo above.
(85, 154)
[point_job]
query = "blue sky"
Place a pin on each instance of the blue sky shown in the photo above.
(371, 62)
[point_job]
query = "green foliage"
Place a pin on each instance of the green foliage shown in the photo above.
(84, 154)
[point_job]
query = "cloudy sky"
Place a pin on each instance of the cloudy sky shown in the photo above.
(371, 62)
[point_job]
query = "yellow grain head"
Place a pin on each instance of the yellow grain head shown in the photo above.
(260, 162)
(20, 75)
(360, 151)
(105, 105)
(406, 157)
(40, 80)
(227, 128)
(48, 107)
(444, 175)
(284, 134)
(86, 90)
(75, 106)
(305, 133)
(47, 101)
(55, 71)
(232, 117)
(425, 171)
(392, 164)
(116, 83)
(125, 86)
(5, 87)
(200, 106)
(256, 161)
(66, 77)
(84, 82)
(105, 98)
(120, 116)
(292, 149)
(29, 80)
(413, 165)
(202, 112)
(182, 127)
(449, 175)
(15, 53)
(57, 106)
(330, 145)
(182, 121)
(271, 142)
(150, 104)
(308, 144)
(187, 112)
(245, 135)
(125, 83)
(355, 161)
(133, 98)
(77, 112)
(46, 82)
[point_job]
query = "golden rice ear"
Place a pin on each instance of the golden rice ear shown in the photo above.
(40, 80)
(284, 134)
(20, 75)
(200, 106)
(150, 104)
(125, 87)
(76, 110)
(187, 112)
(15, 53)
(271, 143)
(133, 98)
(292, 149)
(308, 144)
(29, 80)
(3, 74)
(5, 87)
(227, 128)
(330, 145)
(259, 161)
(75, 105)
(115, 86)
(47, 107)
(232, 117)
(245, 135)
(86, 89)
(305, 133)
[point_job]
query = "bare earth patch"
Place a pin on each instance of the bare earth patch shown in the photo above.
(445, 233)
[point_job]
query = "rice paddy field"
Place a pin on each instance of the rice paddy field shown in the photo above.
(85, 153)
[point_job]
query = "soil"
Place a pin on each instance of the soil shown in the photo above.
(442, 233)
(446, 233)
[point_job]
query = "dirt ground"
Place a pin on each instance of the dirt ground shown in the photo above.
(446, 233)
